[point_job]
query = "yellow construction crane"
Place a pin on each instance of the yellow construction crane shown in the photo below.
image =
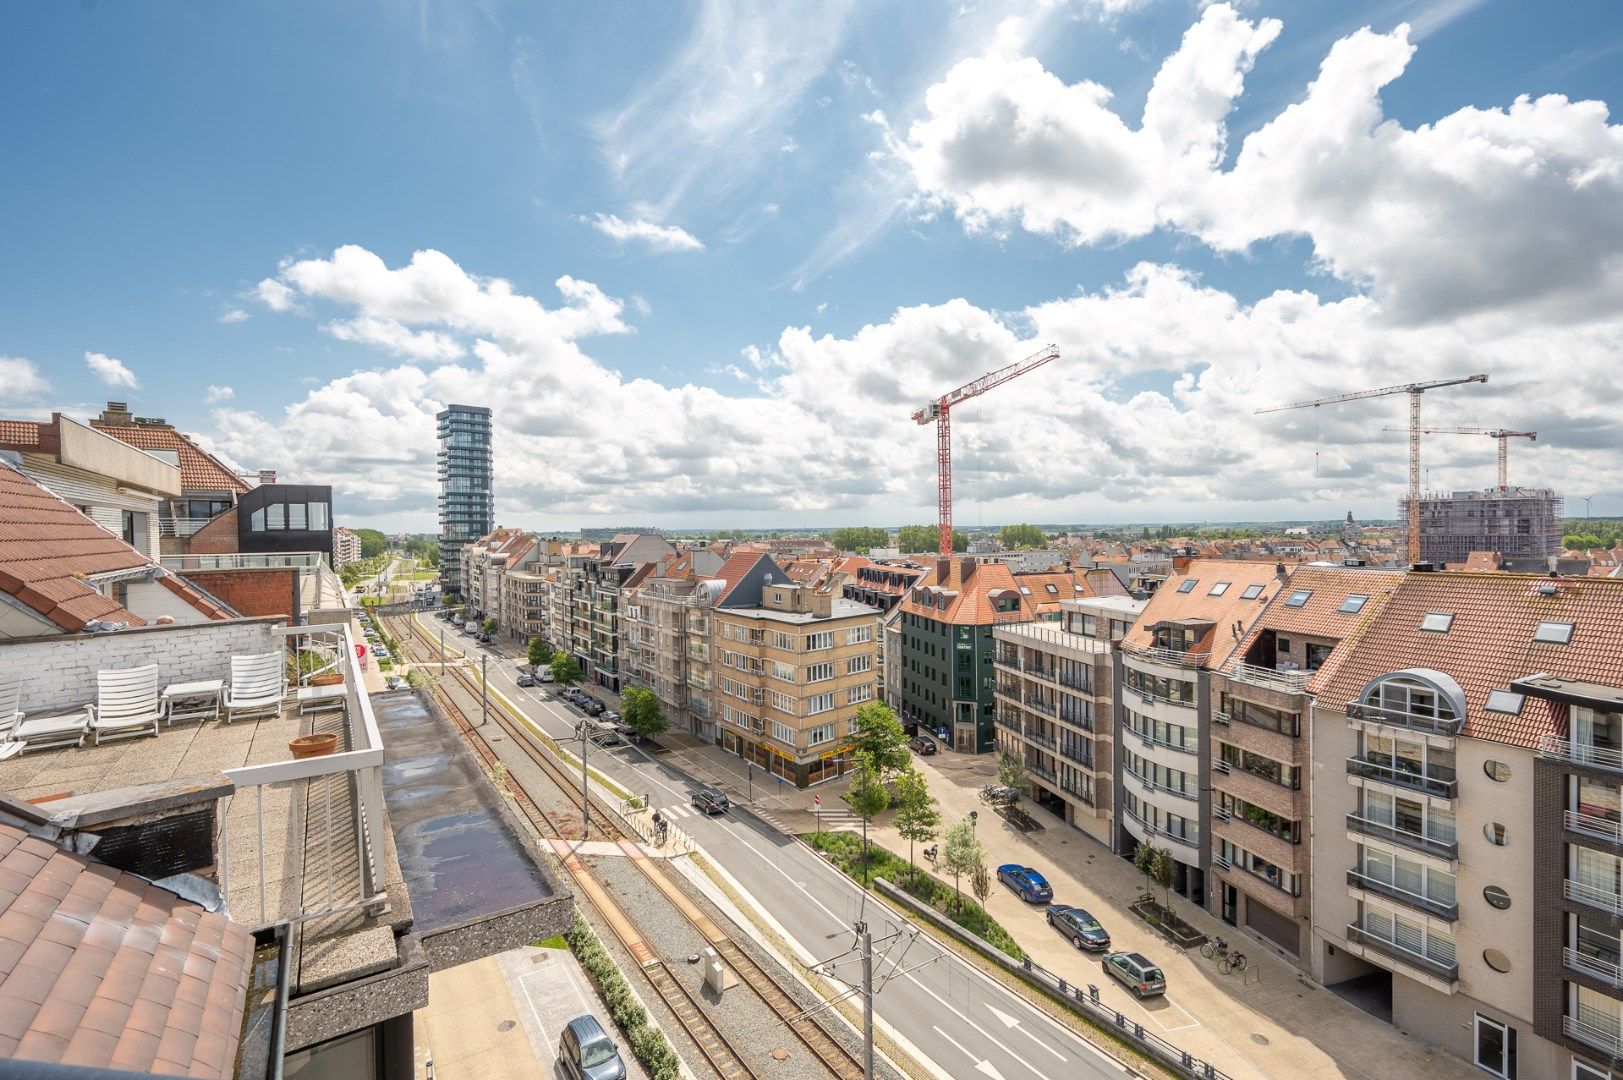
(1501, 434)
(1414, 390)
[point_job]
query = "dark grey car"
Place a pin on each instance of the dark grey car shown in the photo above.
(1135, 970)
(587, 1053)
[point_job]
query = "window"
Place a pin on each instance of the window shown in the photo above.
(256, 520)
(1052, 589)
(782, 671)
(783, 733)
(784, 703)
(1497, 834)
(276, 516)
(858, 664)
(1298, 597)
(1437, 622)
(1189, 585)
(785, 642)
(859, 693)
(822, 640)
(822, 733)
(1220, 588)
(1582, 1071)
(822, 703)
(820, 672)
(319, 517)
(858, 635)
(1251, 592)
(1554, 633)
(296, 518)
(1353, 604)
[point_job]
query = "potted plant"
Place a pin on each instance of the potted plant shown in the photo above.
(320, 744)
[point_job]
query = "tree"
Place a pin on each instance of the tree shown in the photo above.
(868, 798)
(914, 538)
(540, 653)
(1022, 536)
(917, 815)
(961, 852)
(1161, 870)
(1144, 861)
(1011, 771)
(490, 626)
(639, 707)
(859, 538)
(565, 672)
(373, 543)
(980, 883)
(877, 733)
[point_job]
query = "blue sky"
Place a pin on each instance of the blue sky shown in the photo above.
(165, 159)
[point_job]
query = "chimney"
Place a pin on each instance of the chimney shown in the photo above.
(966, 566)
(943, 569)
(117, 414)
(267, 476)
(1279, 570)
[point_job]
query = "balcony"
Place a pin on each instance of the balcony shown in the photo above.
(1040, 671)
(1290, 682)
(1076, 791)
(1608, 829)
(1376, 714)
(1080, 683)
(1425, 783)
(1076, 718)
(180, 526)
(1160, 655)
(1442, 849)
(1605, 1038)
(1596, 967)
(1448, 972)
(1605, 757)
(1596, 896)
(1047, 742)
(1048, 708)
(1009, 690)
(1078, 753)
(1009, 722)
(1042, 771)
(1449, 912)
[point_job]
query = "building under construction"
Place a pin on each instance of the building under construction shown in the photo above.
(1518, 522)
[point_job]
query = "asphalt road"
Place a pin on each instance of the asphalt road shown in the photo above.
(951, 1016)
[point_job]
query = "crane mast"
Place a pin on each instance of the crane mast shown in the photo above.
(1501, 434)
(939, 412)
(1414, 390)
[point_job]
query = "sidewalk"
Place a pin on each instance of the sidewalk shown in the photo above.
(1272, 1022)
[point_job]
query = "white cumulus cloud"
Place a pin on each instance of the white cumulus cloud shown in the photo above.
(111, 371)
(233, 315)
(657, 237)
(395, 339)
(216, 394)
(20, 380)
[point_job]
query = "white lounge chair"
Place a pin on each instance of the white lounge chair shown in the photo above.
(11, 699)
(59, 729)
(257, 686)
(128, 703)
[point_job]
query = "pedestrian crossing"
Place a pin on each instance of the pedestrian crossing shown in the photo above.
(833, 817)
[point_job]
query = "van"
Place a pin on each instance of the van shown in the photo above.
(544, 673)
(470, 627)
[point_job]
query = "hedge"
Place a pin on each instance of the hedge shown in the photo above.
(647, 1042)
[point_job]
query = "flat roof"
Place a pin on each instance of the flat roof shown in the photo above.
(839, 608)
(1125, 605)
(1576, 691)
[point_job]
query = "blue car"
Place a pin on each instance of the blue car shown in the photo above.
(1031, 886)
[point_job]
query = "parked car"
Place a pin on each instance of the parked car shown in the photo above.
(586, 1052)
(1135, 970)
(1031, 886)
(1080, 926)
(394, 682)
(923, 746)
(711, 801)
(526, 679)
(545, 675)
(593, 707)
(485, 639)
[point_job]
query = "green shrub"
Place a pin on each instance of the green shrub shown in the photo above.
(647, 1042)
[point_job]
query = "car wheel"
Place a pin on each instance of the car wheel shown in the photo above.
(1077, 941)
(1050, 917)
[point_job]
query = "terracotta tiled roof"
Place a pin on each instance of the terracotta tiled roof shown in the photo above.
(103, 969)
(737, 567)
(1223, 611)
(1490, 643)
(22, 434)
(1319, 616)
(199, 469)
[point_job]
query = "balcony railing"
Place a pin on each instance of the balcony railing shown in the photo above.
(1403, 778)
(1220, 717)
(1378, 714)
(1596, 967)
(1046, 707)
(1443, 849)
(1449, 912)
(1077, 792)
(1271, 678)
(1607, 900)
(1557, 746)
(1161, 655)
(1448, 972)
(1605, 828)
(1079, 683)
(1080, 754)
(1010, 723)
(1606, 1038)
(1076, 718)
(1043, 771)
(1047, 742)
(180, 526)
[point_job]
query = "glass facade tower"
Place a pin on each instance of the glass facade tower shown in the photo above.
(467, 502)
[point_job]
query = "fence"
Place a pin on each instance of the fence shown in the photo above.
(1084, 1001)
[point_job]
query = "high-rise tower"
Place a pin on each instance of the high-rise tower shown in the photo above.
(467, 502)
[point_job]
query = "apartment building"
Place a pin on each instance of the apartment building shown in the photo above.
(942, 673)
(791, 666)
(526, 606)
(485, 566)
(1260, 759)
(1055, 704)
(1476, 886)
(467, 499)
(1164, 704)
(667, 637)
(346, 547)
(881, 585)
(1522, 524)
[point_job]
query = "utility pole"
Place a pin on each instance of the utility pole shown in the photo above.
(866, 938)
(484, 693)
(442, 650)
(585, 796)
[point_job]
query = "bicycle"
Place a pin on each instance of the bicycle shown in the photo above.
(1232, 962)
(1214, 947)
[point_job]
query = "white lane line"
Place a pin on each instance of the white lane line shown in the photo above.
(987, 1035)
(962, 1049)
(1015, 1022)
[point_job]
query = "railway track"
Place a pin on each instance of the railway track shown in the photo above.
(715, 1047)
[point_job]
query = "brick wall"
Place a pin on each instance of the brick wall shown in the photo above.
(267, 591)
(218, 537)
(60, 672)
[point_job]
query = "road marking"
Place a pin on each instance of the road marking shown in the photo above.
(989, 1069)
(962, 1049)
(962, 1016)
(1014, 1022)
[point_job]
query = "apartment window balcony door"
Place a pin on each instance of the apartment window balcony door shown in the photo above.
(1495, 1048)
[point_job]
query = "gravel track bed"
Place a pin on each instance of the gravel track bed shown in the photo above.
(753, 1029)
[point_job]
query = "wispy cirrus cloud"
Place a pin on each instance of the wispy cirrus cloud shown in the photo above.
(655, 236)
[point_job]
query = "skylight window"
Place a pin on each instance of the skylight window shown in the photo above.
(1353, 604)
(1504, 701)
(1189, 585)
(1025, 590)
(1298, 597)
(1219, 589)
(1251, 592)
(1053, 590)
(1555, 633)
(1438, 622)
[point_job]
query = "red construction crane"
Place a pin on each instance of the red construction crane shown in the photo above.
(939, 411)
(1414, 390)
(1501, 434)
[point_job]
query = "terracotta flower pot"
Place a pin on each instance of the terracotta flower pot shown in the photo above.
(318, 745)
(333, 679)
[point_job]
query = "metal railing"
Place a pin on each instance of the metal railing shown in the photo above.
(1076, 682)
(1178, 657)
(1046, 707)
(1403, 778)
(1378, 714)
(1148, 738)
(1608, 900)
(1011, 723)
(1043, 771)
(1076, 753)
(1606, 1038)
(1443, 849)
(1591, 825)
(1076, 717)
(1449, 912)
(1271, 678)
(1047, 742)
(1595, 967)
(180, 526)
(1051, 634)
(1448, 972)
(243, 560)
(1077, 792)
(1566, 749)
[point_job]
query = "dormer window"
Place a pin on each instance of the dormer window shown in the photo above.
(1554, 633)
(1437, 622)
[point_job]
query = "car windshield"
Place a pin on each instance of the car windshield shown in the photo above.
(597, 1053)
(1153, 974)
(1090, 925)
